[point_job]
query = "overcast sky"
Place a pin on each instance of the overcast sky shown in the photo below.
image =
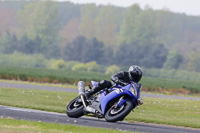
(189, 7)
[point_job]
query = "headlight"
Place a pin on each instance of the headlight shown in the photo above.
(133, 91)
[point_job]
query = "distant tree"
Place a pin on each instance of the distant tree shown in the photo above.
(154, 55)
(140, 25)
(84, 50)
(93, 51)
(73, 51)
(101, 22)
(149, 56)
(8, 19)
(70, 31)
(107, 24)
(193, 61)
(8, 43)
(53, 51)
(40, 19)
(128, 27)
(174, 59)
(109, 55)
(67, 11)
(88, 15)
(29, 46)
(127, 54)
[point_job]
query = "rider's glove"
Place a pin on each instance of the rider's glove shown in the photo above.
(117, 80)
(140, 101)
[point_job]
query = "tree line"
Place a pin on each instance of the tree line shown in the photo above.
(105, 34)
(86, 50)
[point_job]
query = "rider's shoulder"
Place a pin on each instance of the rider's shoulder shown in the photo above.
(123, 72)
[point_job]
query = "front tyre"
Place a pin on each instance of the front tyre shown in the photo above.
(113, 115)
(75, 108)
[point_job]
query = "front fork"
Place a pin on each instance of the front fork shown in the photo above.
(120, 102)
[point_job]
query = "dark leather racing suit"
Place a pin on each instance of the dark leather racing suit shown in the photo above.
(121, 78)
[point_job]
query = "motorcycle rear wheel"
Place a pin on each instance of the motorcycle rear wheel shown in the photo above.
(113, 115)
(75, 109)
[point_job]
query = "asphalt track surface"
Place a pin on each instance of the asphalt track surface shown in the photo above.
(52, 117)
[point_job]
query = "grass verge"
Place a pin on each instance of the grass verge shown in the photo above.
(21, 126)
(176, 112)
(154, 110)
(71, 77)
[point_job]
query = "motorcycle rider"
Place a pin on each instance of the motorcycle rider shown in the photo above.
(123, 78)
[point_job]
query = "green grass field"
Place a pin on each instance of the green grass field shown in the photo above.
(156, 83)
(71, 77)
(48, 75)
(154, 110)
(21, 126)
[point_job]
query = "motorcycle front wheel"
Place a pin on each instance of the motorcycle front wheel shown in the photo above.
(113, 114)
(75, 108)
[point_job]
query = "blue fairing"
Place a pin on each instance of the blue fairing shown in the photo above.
(114, 94)
(134, 85)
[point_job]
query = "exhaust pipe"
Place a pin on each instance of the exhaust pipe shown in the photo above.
(81, 91)
(81, 88)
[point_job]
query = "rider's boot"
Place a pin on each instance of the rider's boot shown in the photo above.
(94, 90)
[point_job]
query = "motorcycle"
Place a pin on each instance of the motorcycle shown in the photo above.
(113, 104)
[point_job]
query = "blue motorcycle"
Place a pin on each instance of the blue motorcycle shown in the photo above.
(113, 104)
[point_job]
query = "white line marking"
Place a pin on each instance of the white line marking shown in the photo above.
(30, 110)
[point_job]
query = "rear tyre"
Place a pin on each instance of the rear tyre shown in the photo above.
(75, 108)
(113, 115)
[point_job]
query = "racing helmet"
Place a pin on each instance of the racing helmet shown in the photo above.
(135, 73)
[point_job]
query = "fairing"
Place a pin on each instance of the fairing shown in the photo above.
(114, 94)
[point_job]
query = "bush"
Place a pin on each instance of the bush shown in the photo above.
(24, 60)
(79, 67)
(112, 69)
(90, 67)
(58, 64)
(70, 64)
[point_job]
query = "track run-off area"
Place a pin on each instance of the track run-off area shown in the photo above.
(52, 117)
